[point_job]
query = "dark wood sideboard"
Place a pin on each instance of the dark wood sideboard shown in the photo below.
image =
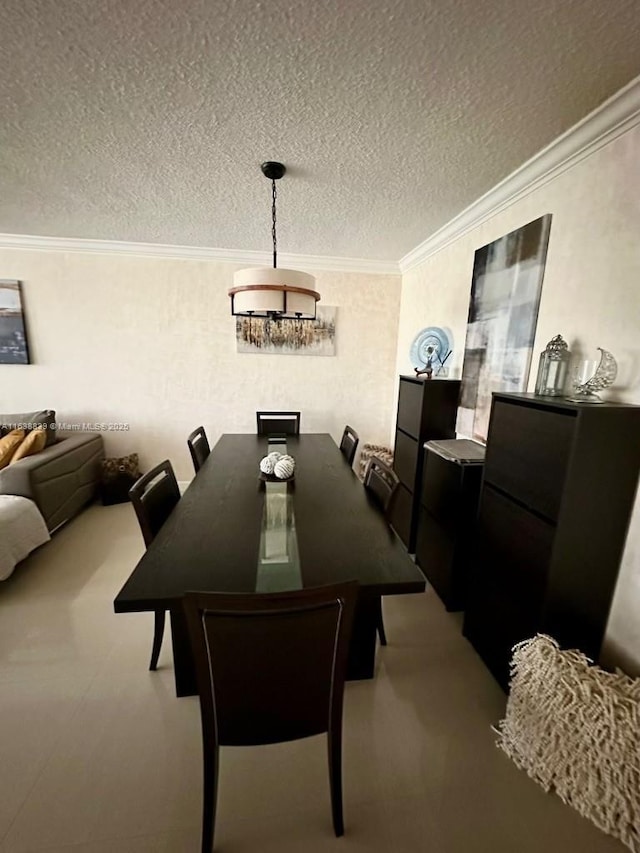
(427, 409)
(556, 498)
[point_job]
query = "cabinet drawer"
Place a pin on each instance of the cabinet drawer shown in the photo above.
(527, 454)
(514, 548)
(410, 402)
(405, 459)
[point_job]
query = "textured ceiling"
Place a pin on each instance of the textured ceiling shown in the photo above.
(147, 121)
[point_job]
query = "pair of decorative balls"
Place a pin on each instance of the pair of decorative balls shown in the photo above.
(280, 465)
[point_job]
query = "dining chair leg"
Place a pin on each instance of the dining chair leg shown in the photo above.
(380, 624)
(158, 633)
(334, 743)
(209, 798)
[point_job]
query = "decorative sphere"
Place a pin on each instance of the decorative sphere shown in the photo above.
(275, 455)
(267, 464)
(284, 467)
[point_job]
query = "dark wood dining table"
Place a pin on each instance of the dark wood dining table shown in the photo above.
(214, 541)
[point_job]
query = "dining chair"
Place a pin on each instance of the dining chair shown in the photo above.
(381, 482)
(198, 447)
(349, 444)
(270, 668)
(153, 497)
(282, 423)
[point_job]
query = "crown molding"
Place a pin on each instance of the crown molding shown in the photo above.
(195, 253)
(607, 122)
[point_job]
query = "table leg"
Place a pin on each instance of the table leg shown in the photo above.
(184, 670)
(362, 650)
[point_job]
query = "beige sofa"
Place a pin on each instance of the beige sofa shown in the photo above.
(60, 479)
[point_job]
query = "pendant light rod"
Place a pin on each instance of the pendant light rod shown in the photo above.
(273, 223)
(274, 171)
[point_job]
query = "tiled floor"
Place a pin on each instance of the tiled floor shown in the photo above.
(98, 756)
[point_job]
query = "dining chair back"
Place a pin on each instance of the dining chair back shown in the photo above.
(382, 483)
(198, 447)
(153, 497)
(349, 444)
(270, 668)
(278, 423)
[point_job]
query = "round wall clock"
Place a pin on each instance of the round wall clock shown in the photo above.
(433, 346)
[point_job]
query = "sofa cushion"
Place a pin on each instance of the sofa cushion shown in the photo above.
(9, 444)
(29, 420)
(33, 442)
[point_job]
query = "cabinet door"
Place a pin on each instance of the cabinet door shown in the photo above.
(514, 548)
(402, 514)
(405, 459)
(410, 407)
(435, 556)
(508, 582)
(493, 624)
(527, 453)
(441, 488)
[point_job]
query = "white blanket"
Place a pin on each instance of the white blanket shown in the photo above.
(22, 528)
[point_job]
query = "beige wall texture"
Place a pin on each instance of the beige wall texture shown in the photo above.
(151, 343)
(590, 295)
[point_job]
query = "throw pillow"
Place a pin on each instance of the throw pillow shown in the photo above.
(113, 467)
(575, 729)
(32, 443)
(46, 417)
(9, 444)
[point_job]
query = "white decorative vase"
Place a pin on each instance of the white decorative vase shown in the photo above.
(267, 464)
(284, 467)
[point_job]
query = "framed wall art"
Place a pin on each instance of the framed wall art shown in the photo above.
(13, 335)
(503, 312)
(288, 337)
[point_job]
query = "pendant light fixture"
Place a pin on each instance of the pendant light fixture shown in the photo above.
(277, 294)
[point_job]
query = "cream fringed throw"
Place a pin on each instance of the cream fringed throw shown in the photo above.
(575, 728)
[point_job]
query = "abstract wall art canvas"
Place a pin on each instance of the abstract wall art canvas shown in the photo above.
(13, 336)
(503, 312)
(289, 337)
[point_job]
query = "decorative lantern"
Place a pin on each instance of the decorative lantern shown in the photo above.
(553, 368)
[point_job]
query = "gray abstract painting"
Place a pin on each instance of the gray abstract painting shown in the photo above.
(503, 313)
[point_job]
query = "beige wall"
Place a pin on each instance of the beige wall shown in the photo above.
(151, 342)
(590, 295)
